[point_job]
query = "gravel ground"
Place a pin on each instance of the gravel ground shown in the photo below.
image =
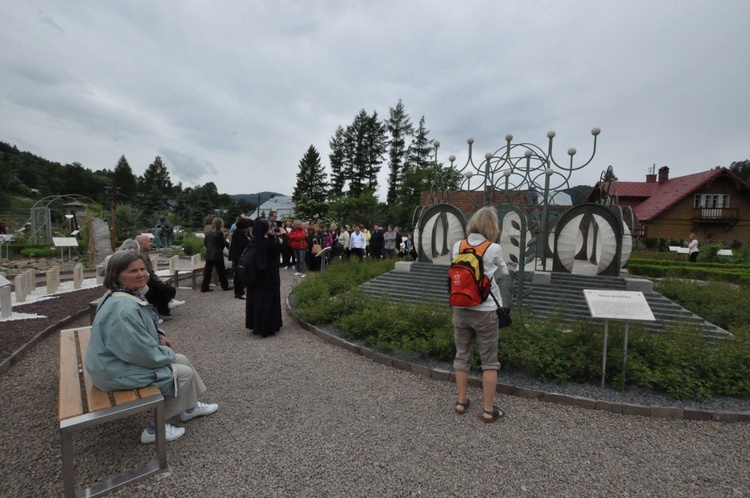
(300, 417)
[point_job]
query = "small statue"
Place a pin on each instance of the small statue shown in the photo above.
(163, 233)
(156, 242)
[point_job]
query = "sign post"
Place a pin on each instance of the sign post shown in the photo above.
(617, 305)
(65, 242)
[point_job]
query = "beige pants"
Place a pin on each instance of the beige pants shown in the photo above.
(189, 387)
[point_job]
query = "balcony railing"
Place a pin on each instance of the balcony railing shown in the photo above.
(716, 214)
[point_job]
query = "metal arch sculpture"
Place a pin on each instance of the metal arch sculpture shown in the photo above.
(606, 234)
(438, 227)
(41, 219)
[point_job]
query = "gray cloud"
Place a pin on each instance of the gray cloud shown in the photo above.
(248, 86)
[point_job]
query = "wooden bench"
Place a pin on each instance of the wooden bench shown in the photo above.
(82, 405)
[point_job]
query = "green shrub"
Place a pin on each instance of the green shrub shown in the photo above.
(679, 362)
(193, 245)
(39, 252)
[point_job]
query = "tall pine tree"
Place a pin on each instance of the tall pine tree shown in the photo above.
(400, 129)
(311, 178)
(124, 178)
(364, 147)
(337, 157)
(309, 194)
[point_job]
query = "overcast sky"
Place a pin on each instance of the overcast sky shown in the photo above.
(234, 92)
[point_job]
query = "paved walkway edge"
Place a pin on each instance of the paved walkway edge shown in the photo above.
(20, 352)
(563, 399)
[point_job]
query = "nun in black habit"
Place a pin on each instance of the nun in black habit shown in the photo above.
(263, 305)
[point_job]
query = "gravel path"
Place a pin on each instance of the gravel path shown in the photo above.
(300, 417)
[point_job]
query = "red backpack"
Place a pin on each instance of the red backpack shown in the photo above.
(469, 286)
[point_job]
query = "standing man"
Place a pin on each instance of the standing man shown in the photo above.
(161, 295)
(357, 243)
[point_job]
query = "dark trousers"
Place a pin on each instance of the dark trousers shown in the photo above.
(220, 270)
(159, 294)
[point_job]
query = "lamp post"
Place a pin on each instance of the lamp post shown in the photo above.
(70, 223)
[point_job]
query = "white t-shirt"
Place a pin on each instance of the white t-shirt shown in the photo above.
(493, 261)
(357, 240)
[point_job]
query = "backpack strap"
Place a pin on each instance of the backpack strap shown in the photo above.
(478, 250)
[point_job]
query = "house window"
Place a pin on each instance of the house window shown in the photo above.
(715, 201)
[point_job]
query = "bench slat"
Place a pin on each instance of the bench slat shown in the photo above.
(70, 404)
(122, 397)
(96, 398)
(147, 392)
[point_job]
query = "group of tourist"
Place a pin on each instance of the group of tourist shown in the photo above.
(307, 246)
(128, 348)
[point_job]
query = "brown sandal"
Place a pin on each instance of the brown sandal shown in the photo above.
(463, 407)
(495, 414)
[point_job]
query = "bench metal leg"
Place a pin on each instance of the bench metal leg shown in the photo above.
(161, 435)
(69, 426)
(68, 464)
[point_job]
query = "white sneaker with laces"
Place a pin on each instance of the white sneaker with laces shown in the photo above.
(175, 303)
(200, 410)
(172, 433)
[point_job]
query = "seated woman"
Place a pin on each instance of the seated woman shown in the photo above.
(127, 350)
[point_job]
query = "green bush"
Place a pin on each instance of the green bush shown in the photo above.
(193, 245)
(39, 252)
(679, 362)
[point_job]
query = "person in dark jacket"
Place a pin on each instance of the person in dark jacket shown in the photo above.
(263, 306)
(377, 243)
(215, 244)
(240, 240)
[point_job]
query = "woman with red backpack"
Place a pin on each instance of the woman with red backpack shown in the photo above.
(480, 323)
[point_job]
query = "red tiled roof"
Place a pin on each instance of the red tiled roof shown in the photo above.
(658, 197)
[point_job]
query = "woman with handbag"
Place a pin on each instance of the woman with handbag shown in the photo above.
(315, 242)
(479, 324)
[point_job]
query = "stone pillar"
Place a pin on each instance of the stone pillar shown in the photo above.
(20, 289)
(195, 260)
(174, 262)
(6, 308)
(30, 276)
(154, 261)
(101, 270)
(6, 304)
(77, 276)
(51, 283)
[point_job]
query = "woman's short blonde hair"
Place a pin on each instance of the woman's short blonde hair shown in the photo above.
(486, 223)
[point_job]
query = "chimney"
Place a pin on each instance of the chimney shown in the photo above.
(663, 174)
(651, 175)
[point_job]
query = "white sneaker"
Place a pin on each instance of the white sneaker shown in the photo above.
(200, 410)
(175, 303)
(286, 267)
(303, 275)
(297, 274)
(172, 433)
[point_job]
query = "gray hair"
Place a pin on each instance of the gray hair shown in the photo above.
(118, 262)
(129, 245)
